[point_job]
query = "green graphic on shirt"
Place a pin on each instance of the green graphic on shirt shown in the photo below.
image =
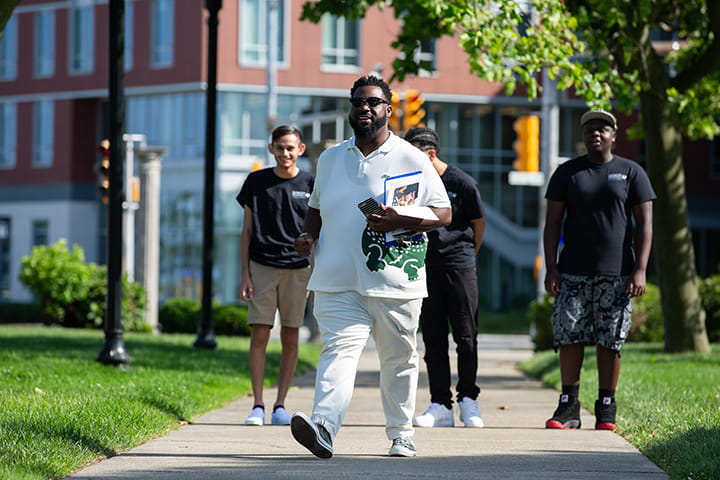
(410, 259)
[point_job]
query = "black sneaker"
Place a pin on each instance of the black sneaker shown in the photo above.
(312, 436)
(567, 414)
(605, 410)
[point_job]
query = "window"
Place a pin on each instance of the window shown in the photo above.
(425, 53)
(40, 229)
(9, 50)
(129, 12)
(45, 43)
(43, 134)
(163, 30)
(340, 43)
(253, 23)
(4, 257)
(715, 158)
(82, 41)
(8, 134)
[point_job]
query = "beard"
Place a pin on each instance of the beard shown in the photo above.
(366, 132)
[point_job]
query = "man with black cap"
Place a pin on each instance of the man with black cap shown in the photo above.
(592, 202)
(452, 294)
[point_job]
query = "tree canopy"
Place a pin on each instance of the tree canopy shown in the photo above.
(603, 49)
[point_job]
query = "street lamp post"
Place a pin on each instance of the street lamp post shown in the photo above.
(113, 351)
(206, 335)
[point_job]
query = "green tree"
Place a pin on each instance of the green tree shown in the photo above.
(603, 49)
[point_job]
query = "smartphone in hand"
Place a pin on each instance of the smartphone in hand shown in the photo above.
(370, 206)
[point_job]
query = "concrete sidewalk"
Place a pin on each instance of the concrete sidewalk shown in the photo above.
(513, 445)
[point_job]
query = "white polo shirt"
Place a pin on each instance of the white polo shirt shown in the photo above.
(350, 256)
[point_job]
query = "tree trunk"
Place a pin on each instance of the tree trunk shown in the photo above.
(684, 317)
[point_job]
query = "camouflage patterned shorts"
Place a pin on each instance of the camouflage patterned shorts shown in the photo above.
(592, 310)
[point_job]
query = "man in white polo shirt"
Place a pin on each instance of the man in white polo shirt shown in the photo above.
(369, 268)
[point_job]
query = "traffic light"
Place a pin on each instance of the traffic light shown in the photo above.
(527, 144)
(414, 113)
(104, 170)
(395, 120)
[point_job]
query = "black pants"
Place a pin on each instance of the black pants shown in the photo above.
(452, 302)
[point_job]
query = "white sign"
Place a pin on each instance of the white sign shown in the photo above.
(529, 179)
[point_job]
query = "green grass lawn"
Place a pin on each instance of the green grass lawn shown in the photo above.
(62, 409)
(668, 405)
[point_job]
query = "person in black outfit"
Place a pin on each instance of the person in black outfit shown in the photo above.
(274, 276)
(452, 294)
(600, 209)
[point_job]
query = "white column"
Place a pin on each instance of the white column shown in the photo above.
(148, 240)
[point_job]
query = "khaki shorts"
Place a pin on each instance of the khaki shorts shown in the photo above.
(278, 289)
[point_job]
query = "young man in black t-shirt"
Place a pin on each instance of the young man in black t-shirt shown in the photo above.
(592, 202)
(274, 276)
(452, 294)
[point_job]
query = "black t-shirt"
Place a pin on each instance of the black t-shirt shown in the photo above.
(453, 246)
(279, 206)
(598, 225)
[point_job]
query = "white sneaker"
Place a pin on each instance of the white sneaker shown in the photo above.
(436, 415)
(402, 447)
(280, 416)
(256, 417)
(469, 413)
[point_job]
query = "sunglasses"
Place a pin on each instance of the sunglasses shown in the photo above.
(371, 102)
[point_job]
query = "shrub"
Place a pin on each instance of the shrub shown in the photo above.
(539, 315)
(19, 312)
(60, 280)
(179, 315)
(182, 315)
(647, 318)
(231, 320)
(73, 293)
(710, 297)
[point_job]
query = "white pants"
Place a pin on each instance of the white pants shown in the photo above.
(346, 321)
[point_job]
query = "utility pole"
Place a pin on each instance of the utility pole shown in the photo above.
(548, 158)
(113, 351)
(206, 334)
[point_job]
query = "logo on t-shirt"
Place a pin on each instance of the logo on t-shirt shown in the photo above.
(298, 194)
(409, 258)
(617, 177)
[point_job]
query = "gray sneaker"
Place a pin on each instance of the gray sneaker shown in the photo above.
(310, 435)
(402, 447)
